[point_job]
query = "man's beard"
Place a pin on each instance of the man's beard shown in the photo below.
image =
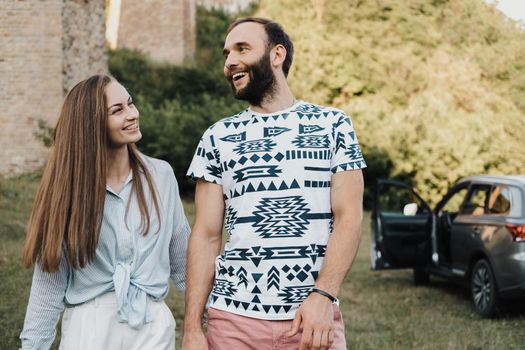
(261, 84)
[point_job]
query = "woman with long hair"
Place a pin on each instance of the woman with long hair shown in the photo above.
(106, 232)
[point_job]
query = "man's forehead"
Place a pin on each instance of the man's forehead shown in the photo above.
(247, 32)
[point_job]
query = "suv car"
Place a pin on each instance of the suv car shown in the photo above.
(475, 236)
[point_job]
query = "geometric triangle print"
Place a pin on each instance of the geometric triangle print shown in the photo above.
(257, 276)
(256, 261)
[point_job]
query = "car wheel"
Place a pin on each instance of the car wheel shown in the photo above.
(421, 277)
(483, 289)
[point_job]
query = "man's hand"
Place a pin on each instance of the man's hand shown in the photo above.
(316, 315)
(194, 340)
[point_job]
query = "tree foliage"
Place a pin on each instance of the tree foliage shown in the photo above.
(436, 88)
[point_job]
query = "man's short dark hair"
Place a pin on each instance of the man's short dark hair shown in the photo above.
(276, 35)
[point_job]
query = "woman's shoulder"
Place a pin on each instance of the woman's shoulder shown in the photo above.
(158, 167)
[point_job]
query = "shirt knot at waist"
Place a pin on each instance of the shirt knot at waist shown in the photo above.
(131, 299)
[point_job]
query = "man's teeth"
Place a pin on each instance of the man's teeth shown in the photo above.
(238, 76)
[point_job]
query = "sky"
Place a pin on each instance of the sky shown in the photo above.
(514, 9)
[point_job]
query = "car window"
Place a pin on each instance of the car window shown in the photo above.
(392, 199)
(499, 201)
(475, 204)
(454, 203)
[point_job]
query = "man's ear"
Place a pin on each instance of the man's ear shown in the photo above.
(278, 55)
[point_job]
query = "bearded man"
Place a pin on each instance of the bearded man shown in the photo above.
(285, 177)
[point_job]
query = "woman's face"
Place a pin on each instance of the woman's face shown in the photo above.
(123, 116)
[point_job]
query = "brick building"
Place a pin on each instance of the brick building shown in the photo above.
(165, 30)
(45, 48)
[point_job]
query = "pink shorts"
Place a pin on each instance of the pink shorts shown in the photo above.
(228, 331)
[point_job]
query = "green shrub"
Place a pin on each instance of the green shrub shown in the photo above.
(173, 130)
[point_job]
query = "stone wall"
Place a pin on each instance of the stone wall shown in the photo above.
(83, 40)
(165, 30)
(39, 60)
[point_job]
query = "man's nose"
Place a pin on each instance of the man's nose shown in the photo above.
(231, 61)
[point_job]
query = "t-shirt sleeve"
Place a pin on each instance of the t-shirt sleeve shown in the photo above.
(347, 154)
(206, 161)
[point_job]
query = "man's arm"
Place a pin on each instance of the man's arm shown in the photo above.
(204, 246)
(316, 314)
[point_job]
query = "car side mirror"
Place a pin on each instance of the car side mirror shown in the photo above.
(410, 209)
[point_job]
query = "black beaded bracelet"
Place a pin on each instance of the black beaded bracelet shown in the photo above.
(325, 294)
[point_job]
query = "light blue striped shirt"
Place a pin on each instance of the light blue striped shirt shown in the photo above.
(133, 265)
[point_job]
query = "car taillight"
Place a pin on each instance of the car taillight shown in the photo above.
(517, 232)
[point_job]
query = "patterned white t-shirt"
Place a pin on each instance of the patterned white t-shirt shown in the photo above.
(275, 171)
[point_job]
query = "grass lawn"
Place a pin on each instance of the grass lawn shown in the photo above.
(382, 310)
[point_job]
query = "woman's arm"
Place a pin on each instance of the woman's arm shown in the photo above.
(46, 302)
(179, 241)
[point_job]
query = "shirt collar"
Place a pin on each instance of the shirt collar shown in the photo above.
(126, 183)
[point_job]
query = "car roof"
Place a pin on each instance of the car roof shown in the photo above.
(503, 179)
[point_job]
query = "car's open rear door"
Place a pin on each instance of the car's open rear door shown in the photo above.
(401, 227)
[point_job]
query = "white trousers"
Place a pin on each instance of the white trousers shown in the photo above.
(94, 326)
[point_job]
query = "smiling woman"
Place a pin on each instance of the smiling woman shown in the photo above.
(106, 232)
(123, 119)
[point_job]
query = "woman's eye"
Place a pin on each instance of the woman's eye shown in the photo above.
(115, 111)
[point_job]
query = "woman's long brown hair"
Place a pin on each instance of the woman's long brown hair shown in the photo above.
(69, 204)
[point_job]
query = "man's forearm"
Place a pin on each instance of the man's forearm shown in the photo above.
(340, 254)
(202, 252)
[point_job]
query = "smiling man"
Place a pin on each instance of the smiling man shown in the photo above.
(285, 178)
